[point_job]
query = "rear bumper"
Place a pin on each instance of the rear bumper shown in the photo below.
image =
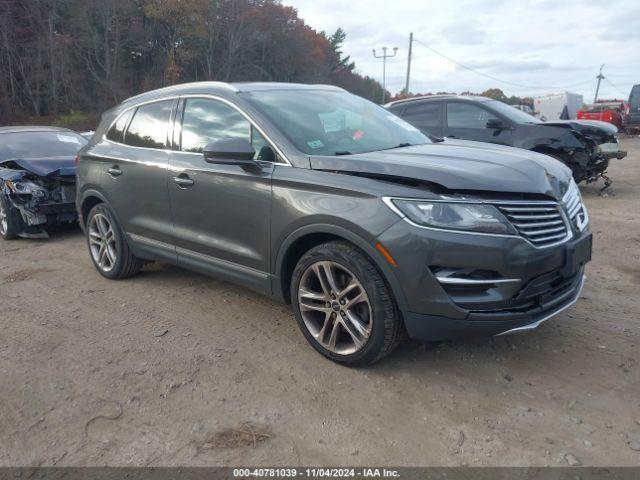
(437, 328)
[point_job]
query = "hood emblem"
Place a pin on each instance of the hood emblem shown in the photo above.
(581, 221)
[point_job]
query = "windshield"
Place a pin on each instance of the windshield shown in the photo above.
(512, 113)
(40, 144)
(322, 122)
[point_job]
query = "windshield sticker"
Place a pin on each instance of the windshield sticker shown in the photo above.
(315, 144)
(332, 121)
(68, 139)
(402, 123)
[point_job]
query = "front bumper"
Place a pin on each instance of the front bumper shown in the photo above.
(436, 328)
(540, 284)
(610, 151)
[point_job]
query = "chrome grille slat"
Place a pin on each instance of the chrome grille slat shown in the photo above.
(545, 223)
(534, 217)
(542, 224)
(547, 230)
(543, 241)
(531, 209)
(537, 224)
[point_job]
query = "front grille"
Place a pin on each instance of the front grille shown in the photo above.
(68, 193)
(576, 211)
(542, 223)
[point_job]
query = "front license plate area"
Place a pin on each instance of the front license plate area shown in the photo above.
(578, 254)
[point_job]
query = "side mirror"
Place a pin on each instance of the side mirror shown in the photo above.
(230, 151)
(496, 124)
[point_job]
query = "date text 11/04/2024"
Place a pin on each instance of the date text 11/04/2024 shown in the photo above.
(316, 473)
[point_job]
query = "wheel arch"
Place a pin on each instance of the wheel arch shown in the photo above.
(305, 238)
(88, 200)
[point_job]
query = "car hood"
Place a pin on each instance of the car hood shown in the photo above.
(460, 165)
(44, 167)
(585, 126)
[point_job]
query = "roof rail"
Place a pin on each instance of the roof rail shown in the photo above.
(180, 86)
(419, 97)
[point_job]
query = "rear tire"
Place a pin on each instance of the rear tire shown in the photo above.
(11, 223)
(343, 305)
(108, 247)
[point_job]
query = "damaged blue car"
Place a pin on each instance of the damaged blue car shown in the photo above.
(37, 179)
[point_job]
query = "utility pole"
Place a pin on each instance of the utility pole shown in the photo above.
(406, 85)
(600, 77)
(384, 57)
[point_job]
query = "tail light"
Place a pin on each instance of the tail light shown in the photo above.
(77, 160)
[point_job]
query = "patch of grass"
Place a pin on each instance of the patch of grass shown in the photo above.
(76, 120)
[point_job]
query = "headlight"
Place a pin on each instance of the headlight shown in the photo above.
(470, 217)
(20, 187)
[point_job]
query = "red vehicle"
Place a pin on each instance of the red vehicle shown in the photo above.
(611, 111)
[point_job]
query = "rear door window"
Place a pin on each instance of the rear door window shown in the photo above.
(464, 115)
(149, 126)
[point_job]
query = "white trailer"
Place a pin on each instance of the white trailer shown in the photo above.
(558, 106)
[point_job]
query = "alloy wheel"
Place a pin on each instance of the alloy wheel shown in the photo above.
(102, 242)
(335, 307)
(4, 221)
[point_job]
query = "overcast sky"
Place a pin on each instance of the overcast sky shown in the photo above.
(544, 45)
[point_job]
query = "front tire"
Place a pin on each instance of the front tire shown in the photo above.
(108, 248)
(343, 305)
(10, 221)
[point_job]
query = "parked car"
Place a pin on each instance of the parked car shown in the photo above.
(611, 111)
(320, 198)
(633, 113)
(584, 146)
(37, 179)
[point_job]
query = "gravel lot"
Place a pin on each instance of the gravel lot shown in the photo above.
(173, 368)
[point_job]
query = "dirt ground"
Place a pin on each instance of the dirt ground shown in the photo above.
(174, 368)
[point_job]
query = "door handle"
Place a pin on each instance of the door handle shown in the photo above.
(183, 180)
(115, 171)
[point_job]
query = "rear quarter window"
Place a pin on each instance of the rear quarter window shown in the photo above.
(116, 131)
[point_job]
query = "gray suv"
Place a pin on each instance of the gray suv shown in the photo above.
(322, 199)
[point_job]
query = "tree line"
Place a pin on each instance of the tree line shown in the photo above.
(60, 56)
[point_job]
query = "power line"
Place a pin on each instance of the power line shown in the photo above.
(615, 87)
(540, 87)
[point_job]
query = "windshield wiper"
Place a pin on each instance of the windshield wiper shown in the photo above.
(400, 145)
(344, 152)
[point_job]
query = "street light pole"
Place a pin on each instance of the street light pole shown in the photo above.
(384, 57)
